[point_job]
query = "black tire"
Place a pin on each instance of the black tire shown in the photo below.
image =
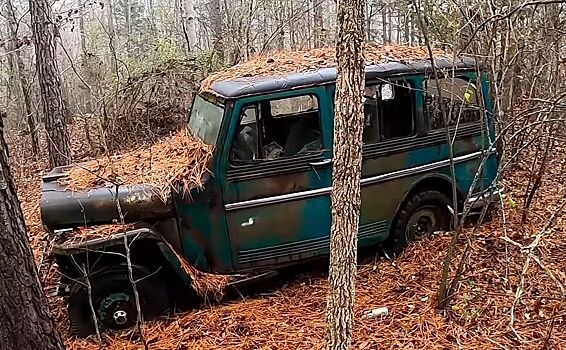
(431, 207)
(113, 300)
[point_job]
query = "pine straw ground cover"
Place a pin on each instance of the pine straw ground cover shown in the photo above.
(292, 317)
(277, 64)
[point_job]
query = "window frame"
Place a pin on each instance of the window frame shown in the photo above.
(240, 104)
(469, 78)
(410, 82)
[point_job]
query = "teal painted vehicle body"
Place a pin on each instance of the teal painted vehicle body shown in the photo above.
(265, 203)
(268, 213)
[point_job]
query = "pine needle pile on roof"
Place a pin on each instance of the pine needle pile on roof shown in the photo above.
(177, 160)
(282, 63)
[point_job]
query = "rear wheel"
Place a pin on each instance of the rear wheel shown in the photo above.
(113, 300)
(423, 214)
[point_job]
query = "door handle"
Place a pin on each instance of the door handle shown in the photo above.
(321, 163)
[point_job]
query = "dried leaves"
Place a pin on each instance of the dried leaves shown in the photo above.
(206, 285)
(282, 63)
(176, 160)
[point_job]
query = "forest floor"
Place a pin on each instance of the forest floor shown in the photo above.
(504, 300)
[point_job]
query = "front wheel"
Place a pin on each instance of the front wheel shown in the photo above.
(423, 214)
(113, 300)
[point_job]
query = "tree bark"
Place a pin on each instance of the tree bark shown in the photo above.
(128, 17)
(190, 23)
(25, 321)
(346, 199)
(18, 69)
(82, 32)
(49, 78)
(111, 36)
(384, 22)
(217, 32)
(319, 40)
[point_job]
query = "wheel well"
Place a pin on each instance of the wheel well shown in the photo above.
(143, 252)
(435, 183)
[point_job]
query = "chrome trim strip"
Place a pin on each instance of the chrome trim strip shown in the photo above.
(418, 169)
(367, 181)
(278, 199)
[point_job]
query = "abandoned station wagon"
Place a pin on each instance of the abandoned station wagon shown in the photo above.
(265, 203)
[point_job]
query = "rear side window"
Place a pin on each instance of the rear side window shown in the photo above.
(459, 102)
(398, 119)
(390, 118)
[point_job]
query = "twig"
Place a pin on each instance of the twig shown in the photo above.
(130, 270)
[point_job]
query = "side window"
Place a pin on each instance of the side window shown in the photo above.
(278, 128)
(397, 117)
(390, 117)
(459, 102)
(371, 114)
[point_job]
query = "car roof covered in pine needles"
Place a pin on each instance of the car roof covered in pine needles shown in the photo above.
(284, 70)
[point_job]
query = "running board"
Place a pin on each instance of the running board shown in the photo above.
(251, 279)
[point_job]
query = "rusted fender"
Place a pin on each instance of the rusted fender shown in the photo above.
(99, 245)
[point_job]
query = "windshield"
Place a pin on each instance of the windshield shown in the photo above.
(205, 120)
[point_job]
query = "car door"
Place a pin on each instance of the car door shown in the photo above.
(276, 184)
(384, 159)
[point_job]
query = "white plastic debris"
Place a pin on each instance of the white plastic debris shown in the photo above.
(380, 312)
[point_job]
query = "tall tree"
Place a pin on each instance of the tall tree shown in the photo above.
(346, 198)
(319, 39)
(111, 28)
(25, 321)
(18, 70)
(190, 24)
(49, 78)
(215, 9)
(82, 31)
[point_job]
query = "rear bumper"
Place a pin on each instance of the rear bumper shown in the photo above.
(479, 200)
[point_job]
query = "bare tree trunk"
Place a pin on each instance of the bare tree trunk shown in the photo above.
(82, 33)
(50, 83)
(318, 24)
(25, 321)
(280, 23)
(346, 199)
(384, 23)
(389, 26)
(369, 18)
(152, 25)
(217, 32)
(190, 14)
(18, 69)
(111, 36)
(128, 15)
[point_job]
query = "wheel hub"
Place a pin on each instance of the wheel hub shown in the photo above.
(120, 317)
(117, 310)
(421, 224)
